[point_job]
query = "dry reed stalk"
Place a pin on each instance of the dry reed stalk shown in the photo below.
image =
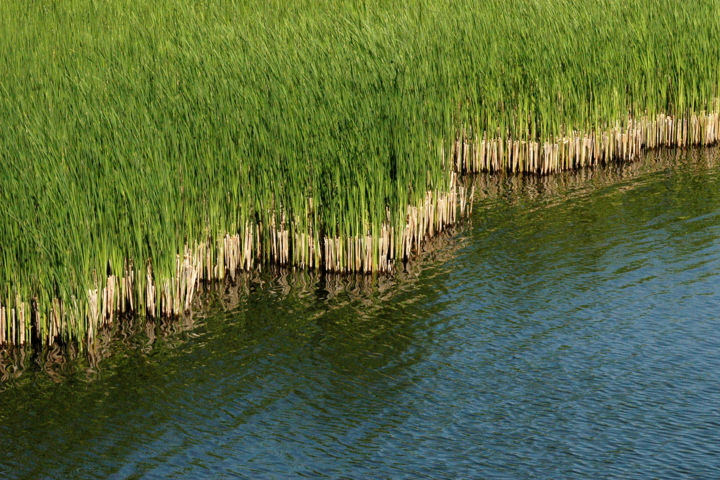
(580, 149)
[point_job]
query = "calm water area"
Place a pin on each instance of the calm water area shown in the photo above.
(570, 329)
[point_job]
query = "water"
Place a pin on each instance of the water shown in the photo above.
(570, 330)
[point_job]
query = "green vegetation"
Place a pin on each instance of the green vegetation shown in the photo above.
(309, 131)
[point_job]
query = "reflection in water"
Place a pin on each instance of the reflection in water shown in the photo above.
(331, 291)
(569, 330)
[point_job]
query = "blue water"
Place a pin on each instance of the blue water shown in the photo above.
(571, 329)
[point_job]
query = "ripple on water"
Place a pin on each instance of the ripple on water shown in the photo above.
(570, 330)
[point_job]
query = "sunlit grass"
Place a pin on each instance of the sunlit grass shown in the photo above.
(130, 129)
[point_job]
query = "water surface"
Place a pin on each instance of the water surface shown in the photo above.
(570, 330)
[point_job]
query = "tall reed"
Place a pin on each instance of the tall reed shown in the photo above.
(147, 146)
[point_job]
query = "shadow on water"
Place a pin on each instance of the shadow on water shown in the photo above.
(567, 330)
(267, 342)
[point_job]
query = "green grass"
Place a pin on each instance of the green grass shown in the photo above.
(131, 128)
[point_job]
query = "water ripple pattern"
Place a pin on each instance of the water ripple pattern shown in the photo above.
(571, 330)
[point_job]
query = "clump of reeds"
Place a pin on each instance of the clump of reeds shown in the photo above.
(578, 149)
(147, 148)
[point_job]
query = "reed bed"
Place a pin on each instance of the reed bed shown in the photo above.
(578, 149)
(146, 148)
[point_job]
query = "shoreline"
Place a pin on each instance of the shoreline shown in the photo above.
(139, 291)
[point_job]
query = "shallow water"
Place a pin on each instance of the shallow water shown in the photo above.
(570, 330)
